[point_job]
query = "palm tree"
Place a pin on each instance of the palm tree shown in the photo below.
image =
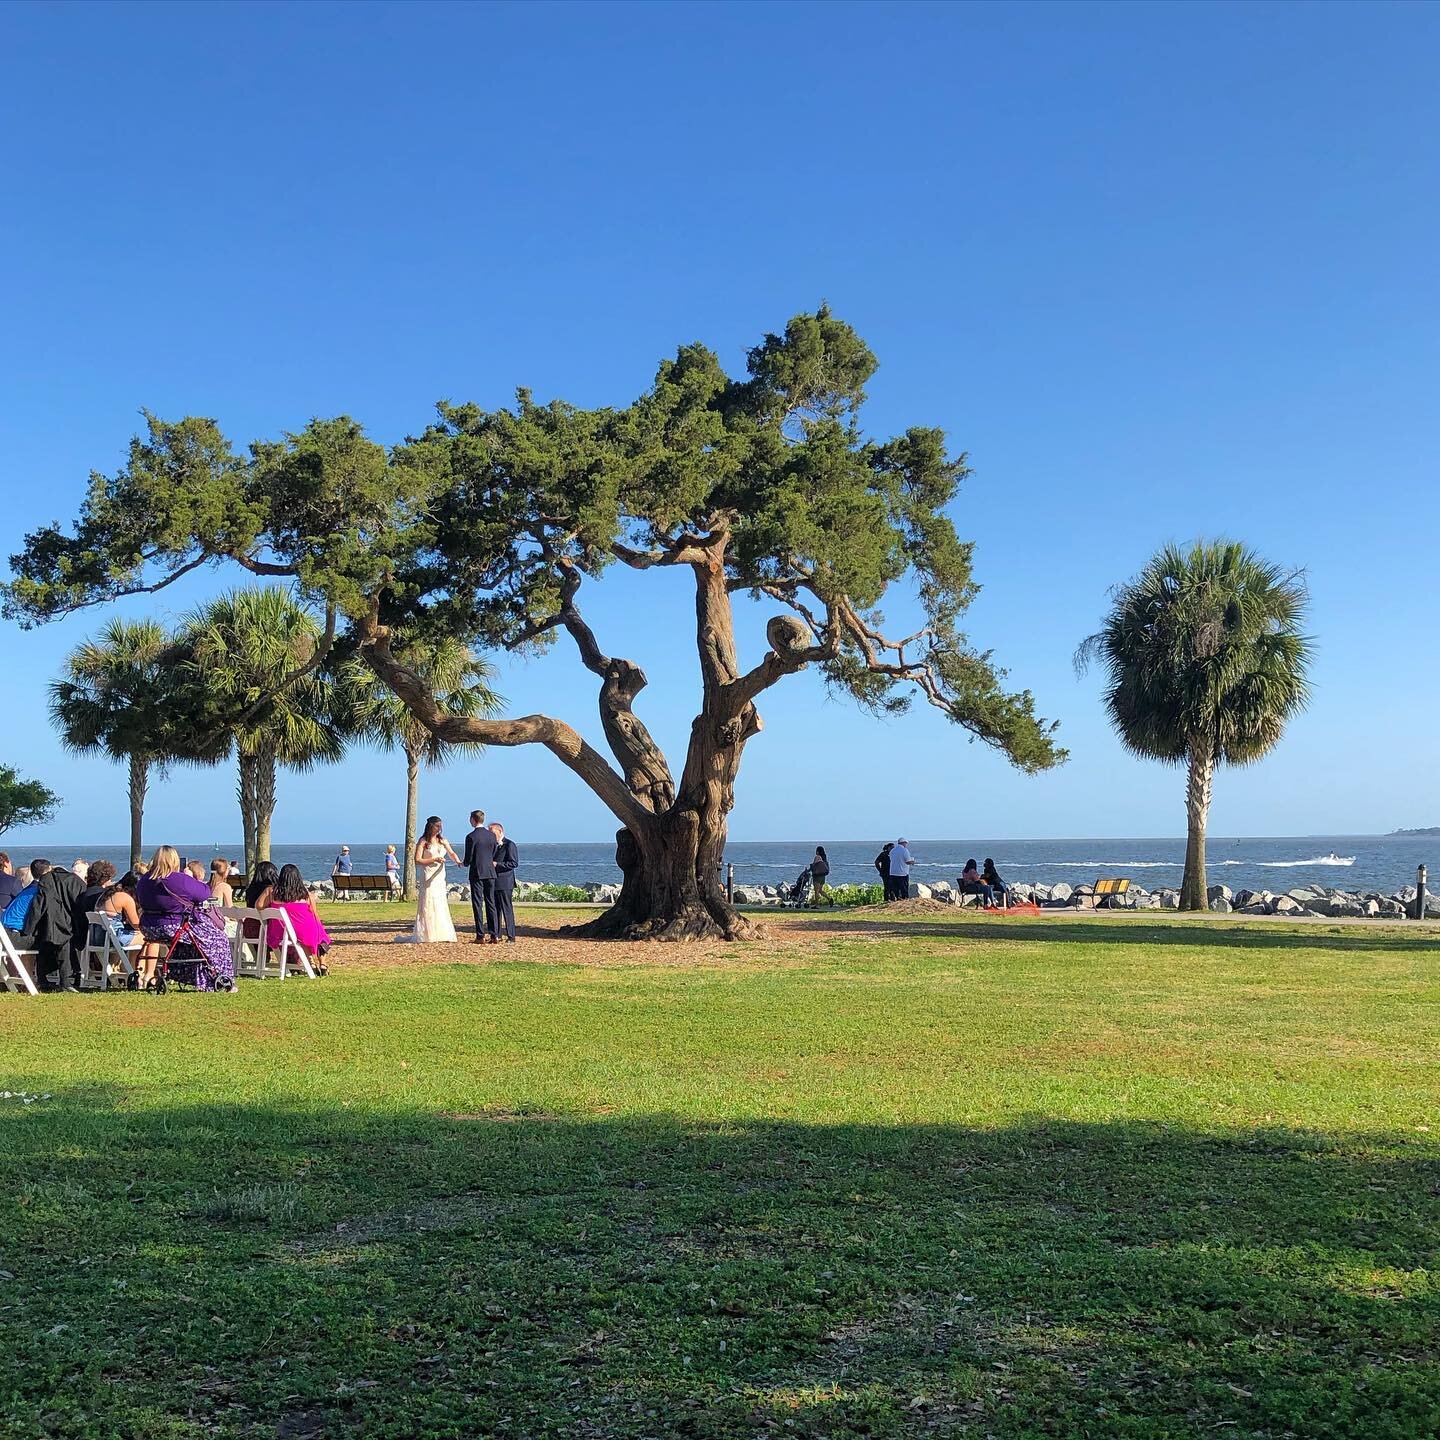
(1204, 663)
(116, 696)
(247, 654)
(458, 680)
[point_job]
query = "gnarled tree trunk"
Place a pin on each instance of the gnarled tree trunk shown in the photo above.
(1194, 893)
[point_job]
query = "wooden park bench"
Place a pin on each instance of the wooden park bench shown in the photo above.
(348, 885)
(1107, 891)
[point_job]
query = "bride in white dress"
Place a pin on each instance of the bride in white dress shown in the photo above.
(432, 915)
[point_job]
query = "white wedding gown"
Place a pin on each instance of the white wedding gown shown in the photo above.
(432, 914)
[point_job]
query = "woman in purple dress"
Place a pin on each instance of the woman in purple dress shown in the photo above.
(169, 898)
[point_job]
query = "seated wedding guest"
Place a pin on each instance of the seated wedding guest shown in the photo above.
(262, 882)
(80, 870)
(99, 875)
(197, 869)
(10, 883)
(18, 910)
(50, 925)
(290, 895)
(118, 899)
(220, 882)
(170, 897)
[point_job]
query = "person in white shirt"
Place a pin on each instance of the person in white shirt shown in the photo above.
(900, 862)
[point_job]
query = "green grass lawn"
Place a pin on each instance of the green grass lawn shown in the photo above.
(1121, 1176)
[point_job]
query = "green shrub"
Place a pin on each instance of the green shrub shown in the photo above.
(569, 893)
(850, 895)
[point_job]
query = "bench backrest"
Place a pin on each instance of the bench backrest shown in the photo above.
(361, 882)
(1115, 885)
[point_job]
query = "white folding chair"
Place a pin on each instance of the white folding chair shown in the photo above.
(289, 953)
(15, 975)
(105, 957)
(248, 952)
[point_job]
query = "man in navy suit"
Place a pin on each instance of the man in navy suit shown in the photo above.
(479, 860)
(507, 861)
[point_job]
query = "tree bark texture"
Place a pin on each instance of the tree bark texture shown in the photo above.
(1194, 892)
(671, 847)
(412, 819)
(245, 793)
(139, 783)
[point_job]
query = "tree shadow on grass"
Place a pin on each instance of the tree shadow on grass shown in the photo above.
(1123, 929)
(243, 1271)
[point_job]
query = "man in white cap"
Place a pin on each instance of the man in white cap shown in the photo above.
(900, 862)
(342, 863)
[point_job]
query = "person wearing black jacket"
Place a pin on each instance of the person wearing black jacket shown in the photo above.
(479, 862)
(50, 927)
(507, 861)
(882, 864)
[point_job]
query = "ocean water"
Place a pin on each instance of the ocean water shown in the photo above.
(1347, 862)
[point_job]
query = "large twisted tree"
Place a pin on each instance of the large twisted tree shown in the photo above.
(489, 526)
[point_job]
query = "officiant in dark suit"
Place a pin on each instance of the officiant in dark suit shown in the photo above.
(479, 860)
(507, 861)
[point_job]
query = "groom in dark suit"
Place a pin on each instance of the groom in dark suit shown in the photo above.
(479, 860)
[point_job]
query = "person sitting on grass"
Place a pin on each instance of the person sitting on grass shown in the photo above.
(971, 884)
(291, 896)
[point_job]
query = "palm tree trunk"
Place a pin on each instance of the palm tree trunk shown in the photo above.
(139, 782)
(412, 817)
(245, 792)
(264, 803)
(1194, 893)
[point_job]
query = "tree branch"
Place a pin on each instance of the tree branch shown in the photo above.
(557, 737)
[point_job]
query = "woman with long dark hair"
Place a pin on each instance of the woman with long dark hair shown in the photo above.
(291, 895)
(432, 908)
(819, 869)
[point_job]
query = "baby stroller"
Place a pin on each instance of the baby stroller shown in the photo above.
(183, 947)
(795, 894)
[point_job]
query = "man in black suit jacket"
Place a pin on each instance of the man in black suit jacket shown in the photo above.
(507, 861)
(479, 860)
(50, 926)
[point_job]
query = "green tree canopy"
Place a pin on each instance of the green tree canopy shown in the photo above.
(487, 527)
(1204, 663)
(24, 802)
(117, 695)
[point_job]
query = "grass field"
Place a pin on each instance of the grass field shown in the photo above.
(1121, 1176)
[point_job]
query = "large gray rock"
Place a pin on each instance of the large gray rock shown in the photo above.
(1169, 900)
(1061, 891)
(1220, 905)
(1220, 892)
(1286, 905)
(922, 892)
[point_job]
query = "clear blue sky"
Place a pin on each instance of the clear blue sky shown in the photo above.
(1162, 270)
